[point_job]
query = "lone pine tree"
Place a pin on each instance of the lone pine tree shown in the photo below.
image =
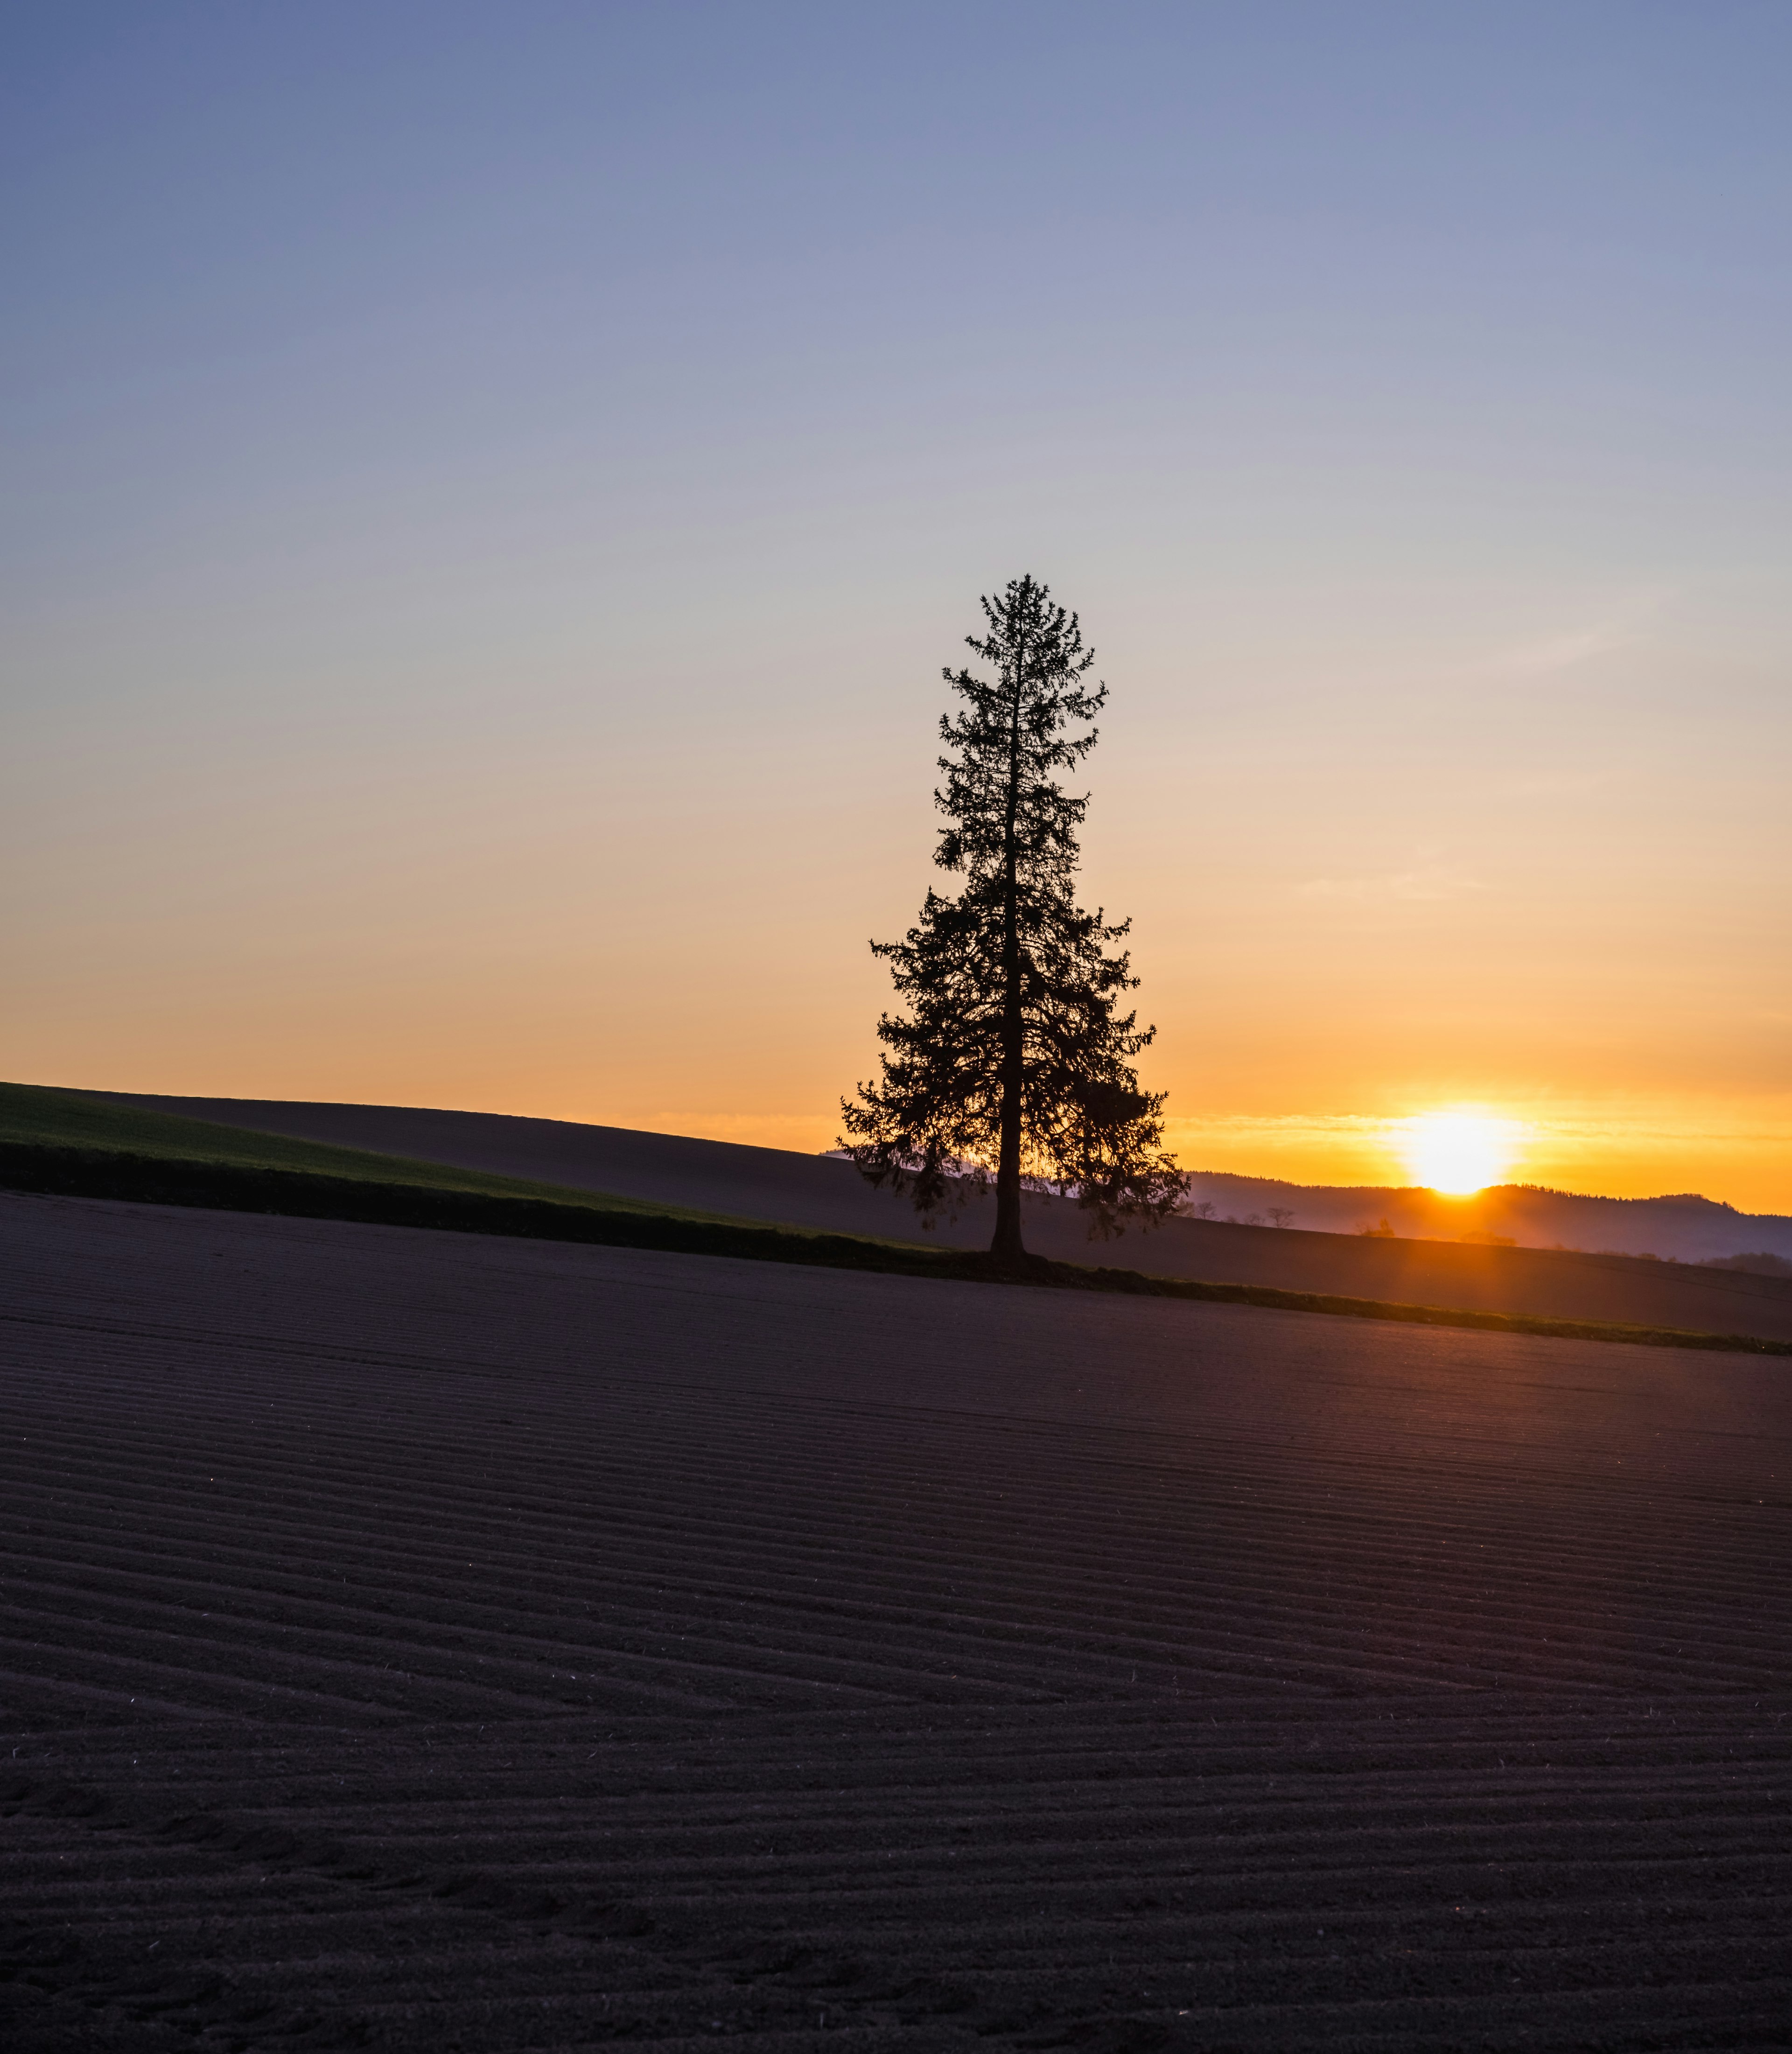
(1012, 1052)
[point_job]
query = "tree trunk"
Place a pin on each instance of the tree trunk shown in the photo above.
(1006, 1246)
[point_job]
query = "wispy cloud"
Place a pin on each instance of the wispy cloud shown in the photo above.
(1562, 652)
(1430, 884)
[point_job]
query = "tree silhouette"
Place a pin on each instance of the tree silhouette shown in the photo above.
(1013, 1052)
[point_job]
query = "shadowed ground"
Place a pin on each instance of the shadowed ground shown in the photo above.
(421, 1641)
(775, 1184)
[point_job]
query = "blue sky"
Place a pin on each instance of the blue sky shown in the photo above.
(507, 273)
(458, 450)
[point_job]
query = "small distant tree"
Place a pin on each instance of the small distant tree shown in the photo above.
(1280, 1216)
(1012, 1064)
(1203, 1211)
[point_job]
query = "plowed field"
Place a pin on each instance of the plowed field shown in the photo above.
(410, 1640)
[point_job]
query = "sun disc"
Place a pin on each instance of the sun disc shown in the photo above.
(1456, 1153)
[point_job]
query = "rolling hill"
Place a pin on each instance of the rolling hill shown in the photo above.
(722, 1180)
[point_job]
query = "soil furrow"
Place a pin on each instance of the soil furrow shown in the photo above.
(412, 1643)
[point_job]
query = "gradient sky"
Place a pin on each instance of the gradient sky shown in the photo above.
(492, 489)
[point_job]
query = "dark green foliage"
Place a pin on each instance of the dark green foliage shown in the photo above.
(1764, 1265)
(501, 1205)
(1012, 1064)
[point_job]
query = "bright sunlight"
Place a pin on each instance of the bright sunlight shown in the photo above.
(1457, 1152)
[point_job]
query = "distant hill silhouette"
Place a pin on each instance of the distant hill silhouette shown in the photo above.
(1685, 1228)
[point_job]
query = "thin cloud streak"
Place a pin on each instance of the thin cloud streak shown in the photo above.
(1431, 885)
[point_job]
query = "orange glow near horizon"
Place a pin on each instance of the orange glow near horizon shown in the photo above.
(611, 936)
(1622, 1150)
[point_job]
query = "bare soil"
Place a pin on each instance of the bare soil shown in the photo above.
(413, 1640)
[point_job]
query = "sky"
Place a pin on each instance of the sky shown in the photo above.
(492, 491)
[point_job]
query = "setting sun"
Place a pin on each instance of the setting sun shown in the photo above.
(1457, 1152)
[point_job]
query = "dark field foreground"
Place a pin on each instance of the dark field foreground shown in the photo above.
(420, 1641)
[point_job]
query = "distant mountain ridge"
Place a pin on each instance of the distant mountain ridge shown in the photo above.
(1683, 1228)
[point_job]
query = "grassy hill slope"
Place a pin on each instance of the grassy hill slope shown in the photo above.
(42, 1117)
